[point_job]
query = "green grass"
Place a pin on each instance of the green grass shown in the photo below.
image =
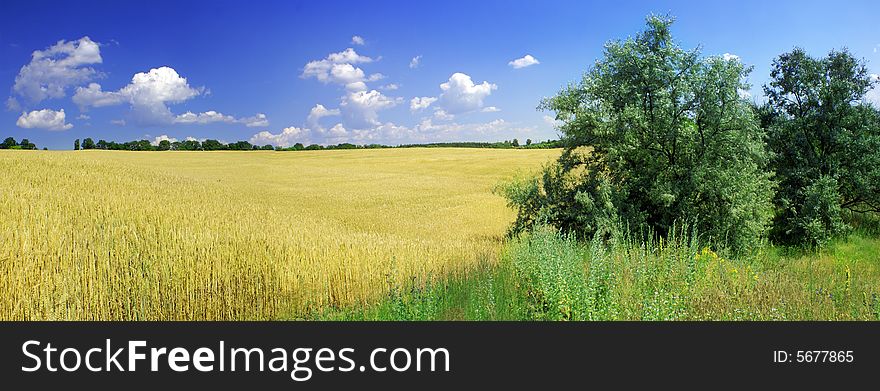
(545, 276)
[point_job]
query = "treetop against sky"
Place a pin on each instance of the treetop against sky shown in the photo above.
(392, 73)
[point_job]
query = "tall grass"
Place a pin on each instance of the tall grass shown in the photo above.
(548, 276)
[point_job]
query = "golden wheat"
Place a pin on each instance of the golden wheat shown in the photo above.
(240, 235)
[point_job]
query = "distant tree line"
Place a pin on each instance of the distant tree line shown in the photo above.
(10, 143)
(214, 145)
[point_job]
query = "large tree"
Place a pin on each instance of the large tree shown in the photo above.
(655, 136)
(826, 144)
(8, 143)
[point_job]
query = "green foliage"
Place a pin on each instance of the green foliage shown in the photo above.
(544, 275)
(27, 144)
(654, 136)
(88, 143)
(76, 145)
(552, 276)
(9, 142)
(826, 144)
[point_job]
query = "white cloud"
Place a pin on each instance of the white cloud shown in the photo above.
(118, 122)
(258, 121)
(83, 117)
(203, 118)
(357, 40)
(415, 62)
(427, 131)
(550, 120)
(390, 87)
(149, 93)
(728, 57)
(490, 109)
(873, 96)
(318, 112)
(523, 62)
(43, 119)
(287, 137)
(337, 132)
(208, 117)
(360, 108)
(460, 94)
(419, 103)
(53, 70)
(157, 139)
(339, 68)
(12, 104)
(443, 115)
(390, 133)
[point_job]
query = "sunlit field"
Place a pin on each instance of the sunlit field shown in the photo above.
(241, 235)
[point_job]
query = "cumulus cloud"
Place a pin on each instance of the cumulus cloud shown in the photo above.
(390, 87)
(415, 62)
(53, 70)
(490, 109)
(318, 112)
(208, 117)
(339, 68)
(443, 115)
(287, 137)
(460, 93)
(43, 119)
(149, 94)
(523, 62)
(391, 133)
(202, 118)
(357, 40)
(163, 137)
(729, 57)
(419, 103)
(360, 108)
(258, 121)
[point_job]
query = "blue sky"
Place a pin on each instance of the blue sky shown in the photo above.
(287, 72)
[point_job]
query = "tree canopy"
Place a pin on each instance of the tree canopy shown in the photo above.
(826, 144)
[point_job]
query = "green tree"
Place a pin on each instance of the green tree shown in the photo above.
(528, 141)
(164, 145)
(88, 143)
(8, 143)
(212, 145)
(515, 143)
(27, 144)
(826, 144)
(76, 145)
(654, 136)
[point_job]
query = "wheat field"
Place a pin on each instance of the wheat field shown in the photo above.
(110, 235)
